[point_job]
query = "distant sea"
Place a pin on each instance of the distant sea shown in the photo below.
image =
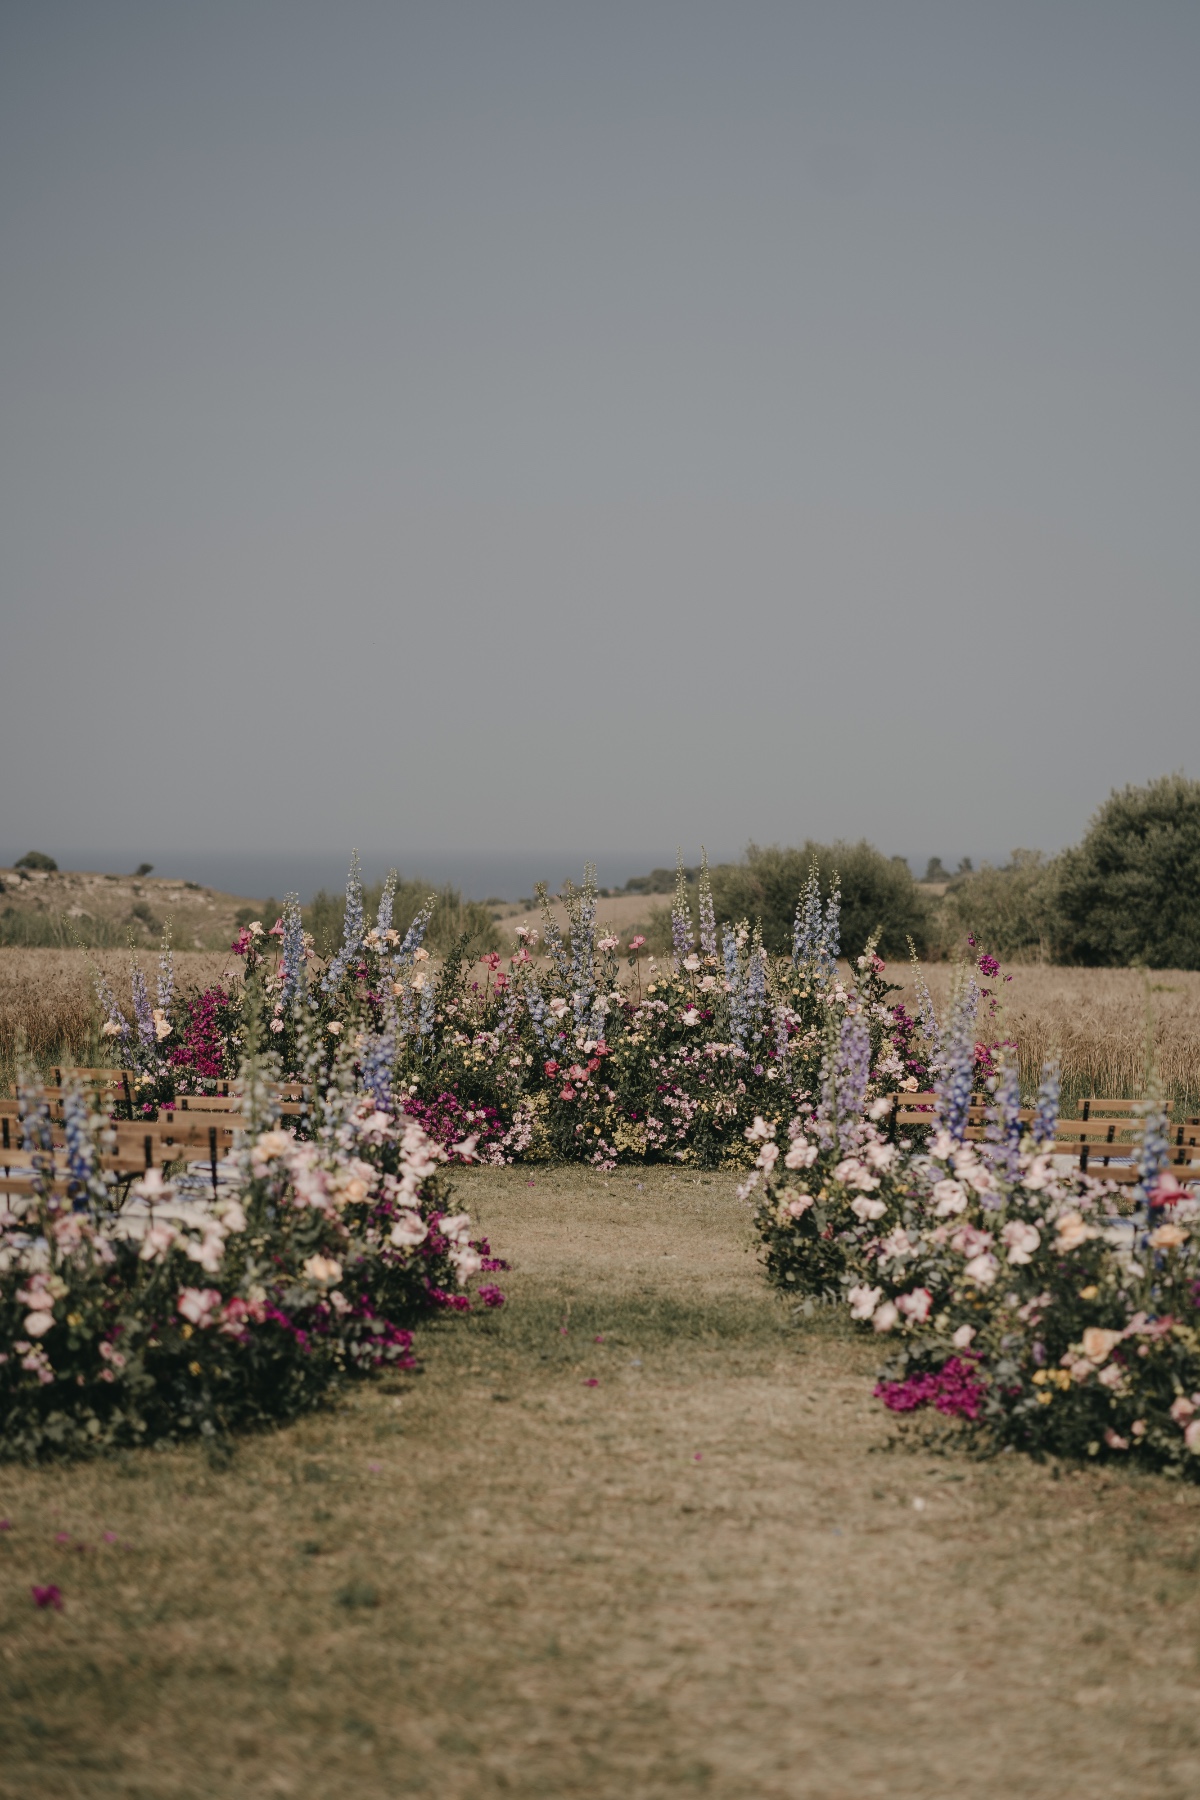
(480, 875)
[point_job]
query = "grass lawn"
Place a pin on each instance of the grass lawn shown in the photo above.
(703, 1575)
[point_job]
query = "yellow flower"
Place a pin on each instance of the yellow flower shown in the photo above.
(1040, 1378)
(1089, 1293)
(1045, 1397)
(74, 1318)
(193, 1368)
(185, 1331)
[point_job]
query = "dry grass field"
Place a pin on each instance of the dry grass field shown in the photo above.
(48, 994)
(1095, 1021)
(84, 906)
(705, 1574)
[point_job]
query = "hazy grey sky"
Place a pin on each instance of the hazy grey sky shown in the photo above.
(468, 425)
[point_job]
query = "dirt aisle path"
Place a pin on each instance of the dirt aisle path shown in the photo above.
(700, 1575)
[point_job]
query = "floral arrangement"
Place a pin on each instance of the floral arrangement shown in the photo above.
(561, 1053)
(1022, 1305)
(168, 1316)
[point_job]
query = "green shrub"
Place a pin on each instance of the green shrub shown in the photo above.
(1128, 893)
(36, 859)
(878, 894)
(452, 917)
(1012, 909)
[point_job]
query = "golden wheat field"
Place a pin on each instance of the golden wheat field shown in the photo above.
(49, 994)
(1094, 1020)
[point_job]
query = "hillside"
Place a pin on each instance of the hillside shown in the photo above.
(66, 907)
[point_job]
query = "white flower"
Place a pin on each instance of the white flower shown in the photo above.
(863, 1301)
(887, 1318)
(334, 1027)
(1181, 1409)
(692, 963)
(465, 1148)
(982, 1269)
(467, 1261)
(801, 1154)
(276, 1024)
(323, 1268)
(208, 1252)
(1191, 1437)
(897, 1243)
(1098, 1344)
(408, 1231)
(157, 1241)
(162, 1025)
(111, 1028)
(558, 1006)
(270, 1145)
(768, 1156)
(1020, 1240)
(37, 1324)
(880, 1108)
(421, 955)
(796, 1205)
(981, 1179)
(942, 1146)
(855, 1174)
(880, 1156)
(759, 1132)
(949, 1197)
(456, 1227)
(915, 1305)
(865, 1208)
(196, 1304)
(691, 1016)
(152, 1187)
(1072, 1231)
(963, 1337)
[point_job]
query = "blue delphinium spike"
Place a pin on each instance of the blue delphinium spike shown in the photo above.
(831, 932)
(956, 1073)
(352, 928)
(1045, 1118)
(427, 1006)
(377, 1063)
(292, 961)
(1155, 1149)
(739, 1013)
(166, 974)
(413, 938)
(143, 1012)
(708, 916)
(806, 932)
(383, 918)
(537, 1009)
(681, 917)
(583, 947)
(1003, 1130)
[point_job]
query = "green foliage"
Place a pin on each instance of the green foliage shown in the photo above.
(36, 859)
(1128, 893)
(878, 894)
(659, 881)
(31, 928)
(453, 917)
(1012, 909)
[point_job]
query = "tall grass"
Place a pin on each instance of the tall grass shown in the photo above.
(48, 997)
(452, 917)
(1098, 1022)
